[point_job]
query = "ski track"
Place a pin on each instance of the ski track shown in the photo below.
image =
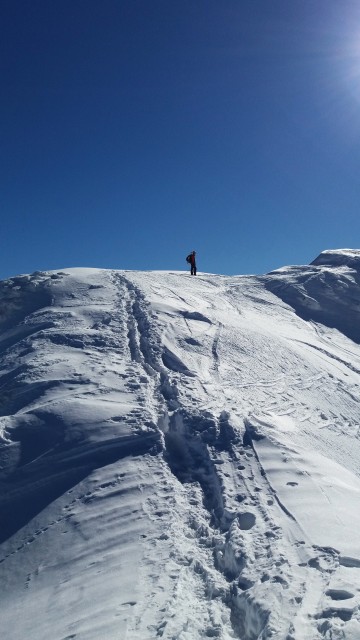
(175, 488)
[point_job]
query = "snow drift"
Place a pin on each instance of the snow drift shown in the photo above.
(179, 456)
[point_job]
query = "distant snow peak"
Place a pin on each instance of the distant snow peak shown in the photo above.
(339, 258)
(327, 291)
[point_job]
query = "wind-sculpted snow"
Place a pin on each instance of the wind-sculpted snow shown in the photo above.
(180, 456)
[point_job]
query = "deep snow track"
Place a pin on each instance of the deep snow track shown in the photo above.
(180, 457)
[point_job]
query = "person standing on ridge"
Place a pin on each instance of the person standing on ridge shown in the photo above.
(192, 260)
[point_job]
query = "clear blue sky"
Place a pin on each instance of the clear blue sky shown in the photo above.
(133, 131)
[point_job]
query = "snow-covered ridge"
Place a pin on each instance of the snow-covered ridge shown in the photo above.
(180, 456)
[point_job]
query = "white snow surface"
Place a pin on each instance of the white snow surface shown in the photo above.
(180, 456)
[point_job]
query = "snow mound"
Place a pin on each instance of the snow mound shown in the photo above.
(179, 456)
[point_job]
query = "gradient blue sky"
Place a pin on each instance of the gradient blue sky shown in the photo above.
(133, 131)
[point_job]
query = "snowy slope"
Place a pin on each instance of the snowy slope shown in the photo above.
(180, 456)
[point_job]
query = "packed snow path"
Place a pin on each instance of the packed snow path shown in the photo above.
(180, 456)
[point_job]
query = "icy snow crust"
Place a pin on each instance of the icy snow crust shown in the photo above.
(180, 456)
